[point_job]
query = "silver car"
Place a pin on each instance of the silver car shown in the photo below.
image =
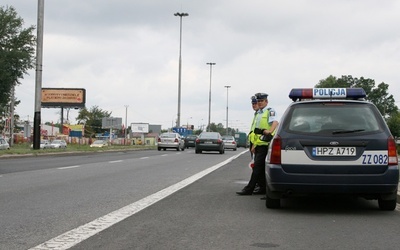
(230, 142)
(4, 144)
(170, 140)
(58, 144)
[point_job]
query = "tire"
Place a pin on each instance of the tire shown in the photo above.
(164, 149)
(271, 202)
(387, 205)
(159, 149)
(183, 149)
(177, 149)
(197, 151)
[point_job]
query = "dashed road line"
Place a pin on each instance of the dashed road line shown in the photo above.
(115, 161)
(144, 158)
(62, 168)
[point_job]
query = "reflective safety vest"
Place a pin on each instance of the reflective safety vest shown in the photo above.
(251, 134)
(262, 124)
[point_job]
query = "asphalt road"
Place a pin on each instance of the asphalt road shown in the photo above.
(49, 196)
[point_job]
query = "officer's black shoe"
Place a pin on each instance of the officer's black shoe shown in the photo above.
(256, 189)
(260, 191)
(245, 192)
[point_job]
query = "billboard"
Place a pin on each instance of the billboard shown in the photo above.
(111, 122)
(140, 127)
(62, 97)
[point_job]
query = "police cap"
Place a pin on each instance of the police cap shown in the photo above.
(261, 96)
(253, 99)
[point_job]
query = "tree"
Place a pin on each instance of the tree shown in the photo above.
(17, 48)
(92, 119)
(394, 124)
(378, 95)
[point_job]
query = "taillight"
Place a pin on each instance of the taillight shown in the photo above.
(176, 140)
(197, 140)
(159, 139)
(275, 157)
(233, 142)
(219, 141)
(392, 151)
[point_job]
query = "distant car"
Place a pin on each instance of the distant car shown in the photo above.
(209, 141)
(170, 140)
(58, 144)
(99, 144)
(229, 142)
(332, 141)
(190, 141)
(4, 144)
(44, 144)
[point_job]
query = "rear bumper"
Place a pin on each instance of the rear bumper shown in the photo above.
(282, 183)
(168, 145)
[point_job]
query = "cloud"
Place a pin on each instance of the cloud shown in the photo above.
(126, 53)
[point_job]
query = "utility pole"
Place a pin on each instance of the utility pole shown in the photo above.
(227, 88)
(38, 84)
(178, 119)
(209, 97)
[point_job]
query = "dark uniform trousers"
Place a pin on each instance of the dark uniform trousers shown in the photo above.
(258, 173)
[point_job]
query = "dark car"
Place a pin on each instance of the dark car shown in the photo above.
(209, 141)
(332, 141)
(190, 141)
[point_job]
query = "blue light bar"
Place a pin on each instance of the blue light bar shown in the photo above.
(327, 93)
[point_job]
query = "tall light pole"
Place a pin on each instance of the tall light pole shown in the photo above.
(227, 88)
(209, 96)
(178, 119)
(38, 78)
(126, 122)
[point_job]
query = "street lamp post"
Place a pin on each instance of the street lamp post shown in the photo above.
(209, 96)
(178, 120)
(227, 88)
(126, 122)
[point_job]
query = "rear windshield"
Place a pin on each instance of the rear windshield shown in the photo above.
(333, 117)
(168, 136)
(209, 136)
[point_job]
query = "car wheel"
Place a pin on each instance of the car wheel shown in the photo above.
(159, 149)
(234, 149)
(387, 205)
(177, 149)
(272, 202)
(197, 151)
(164, 149)
(183, 149)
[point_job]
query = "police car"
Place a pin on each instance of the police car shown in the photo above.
(332, 141)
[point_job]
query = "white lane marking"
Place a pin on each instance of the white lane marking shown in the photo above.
(79, 234)
(164, 155)
(77, 166)
(144, 158)
(115, 161)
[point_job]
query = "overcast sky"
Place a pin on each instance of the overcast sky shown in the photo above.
(126, 52)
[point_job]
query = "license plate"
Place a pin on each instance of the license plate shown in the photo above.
(191, 141)
(334, 151)
(208, 142)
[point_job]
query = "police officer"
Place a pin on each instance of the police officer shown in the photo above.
(251, 134)
(263, 128)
